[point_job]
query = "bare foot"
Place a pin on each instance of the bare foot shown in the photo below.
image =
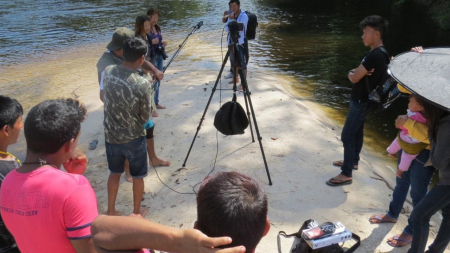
(339, 180)
(159, 162)
(143, 212)
(381, 218)
(128, 178)
(232, 82)
(392, 156)
(154, 114)
(160, 106)
(114, 213)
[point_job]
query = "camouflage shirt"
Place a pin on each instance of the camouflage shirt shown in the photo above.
(128, 104)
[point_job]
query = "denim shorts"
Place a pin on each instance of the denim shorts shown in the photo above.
(134, 151)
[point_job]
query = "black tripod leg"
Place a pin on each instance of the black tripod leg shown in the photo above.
(246, 107)
(247, 95)
(207, 105)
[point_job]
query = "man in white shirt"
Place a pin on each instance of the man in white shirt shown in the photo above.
(236, 14)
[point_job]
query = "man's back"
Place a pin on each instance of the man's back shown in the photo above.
(127, 104)
(108, 58)
(47, 208)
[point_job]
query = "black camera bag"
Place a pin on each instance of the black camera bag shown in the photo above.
(231, 118)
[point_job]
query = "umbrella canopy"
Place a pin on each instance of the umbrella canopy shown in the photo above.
(426, 74)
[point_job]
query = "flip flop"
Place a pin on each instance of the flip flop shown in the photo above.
(399, 240)
(340, 163)
(379, 219)
(93, 145)
(340, 182)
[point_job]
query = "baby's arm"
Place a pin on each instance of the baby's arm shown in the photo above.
(417, 130)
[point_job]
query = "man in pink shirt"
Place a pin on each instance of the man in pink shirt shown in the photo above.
(46, 209)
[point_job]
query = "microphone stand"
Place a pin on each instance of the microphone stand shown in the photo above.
(182, 44)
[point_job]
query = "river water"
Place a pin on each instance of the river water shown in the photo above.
(313, 42)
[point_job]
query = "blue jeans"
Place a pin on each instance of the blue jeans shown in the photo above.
(418, 177)
(437, 199)
(353, 135)
(158, 62)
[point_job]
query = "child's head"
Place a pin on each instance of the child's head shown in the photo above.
(416, 103)
(134, 50)
(232, 204)
(10, 120)
(142, 25)
(373, 28)
(54, 125)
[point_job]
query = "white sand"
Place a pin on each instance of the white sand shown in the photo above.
(299, 144)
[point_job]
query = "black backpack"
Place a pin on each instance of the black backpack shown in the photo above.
(385, 93)
(251, 26)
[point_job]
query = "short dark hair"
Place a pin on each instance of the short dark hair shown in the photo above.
(52, 123)
(234, 1)
(10, 111)
(133, 49)
(377, 23)
(232, 204)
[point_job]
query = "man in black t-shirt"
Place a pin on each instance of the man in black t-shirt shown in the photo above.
(10, 126)
(365, 78)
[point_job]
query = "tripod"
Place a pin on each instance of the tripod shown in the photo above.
(237, 60)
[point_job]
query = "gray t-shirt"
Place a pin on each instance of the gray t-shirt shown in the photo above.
(7, 166)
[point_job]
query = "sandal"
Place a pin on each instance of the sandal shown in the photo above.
(406, 241)
(340, 163)
(339, 182)
(377, 219)
(93, 145)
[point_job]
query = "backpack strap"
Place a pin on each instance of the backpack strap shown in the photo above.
(286, 235)
(357, 244)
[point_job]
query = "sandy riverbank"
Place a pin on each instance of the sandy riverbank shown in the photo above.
(298, 140)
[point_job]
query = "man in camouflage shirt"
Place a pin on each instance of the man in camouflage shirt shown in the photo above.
(128, 106)
(114, 56)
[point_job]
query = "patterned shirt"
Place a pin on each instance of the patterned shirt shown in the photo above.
(128, 104)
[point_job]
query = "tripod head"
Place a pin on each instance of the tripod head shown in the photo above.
(235, 27)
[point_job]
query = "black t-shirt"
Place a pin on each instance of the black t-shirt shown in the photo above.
(375, 59)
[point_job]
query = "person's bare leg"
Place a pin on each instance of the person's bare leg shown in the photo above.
(128, 177)
(113, 188)
(236, 76)
(155, 160)
(138, 193)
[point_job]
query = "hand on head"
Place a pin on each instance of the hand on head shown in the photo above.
(195, 240)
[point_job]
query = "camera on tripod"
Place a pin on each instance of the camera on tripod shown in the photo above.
(235, 27)
(162, 50)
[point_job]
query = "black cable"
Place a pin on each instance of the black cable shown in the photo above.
(220, 105)
(217, 138)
